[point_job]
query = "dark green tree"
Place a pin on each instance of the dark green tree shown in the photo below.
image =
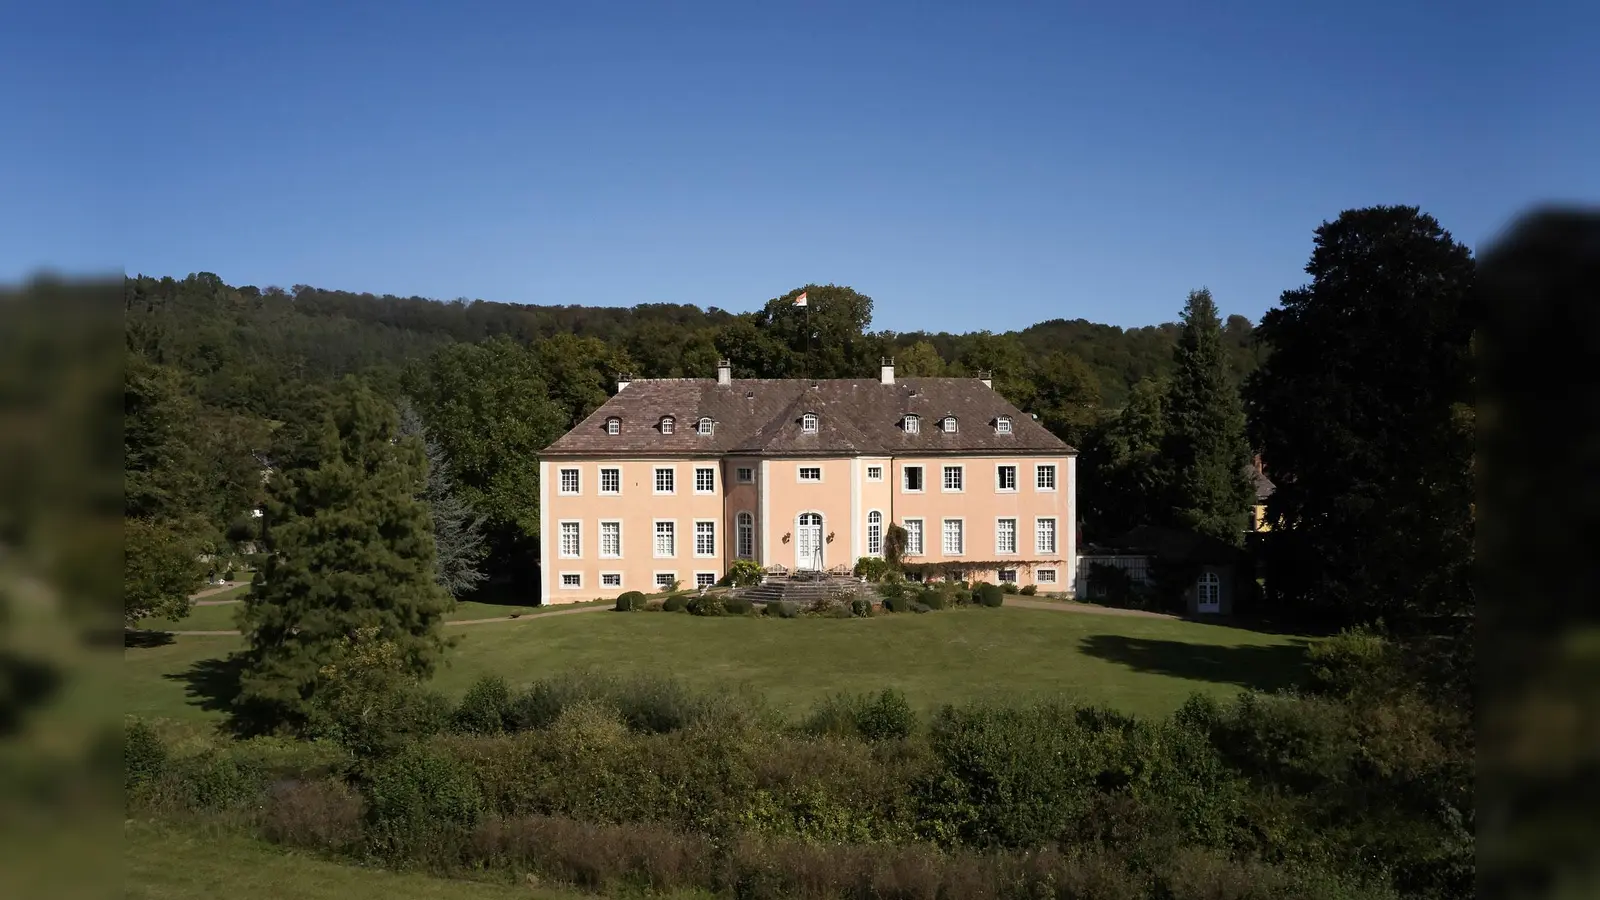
(1361, 415)
(1203, 446)
(580, 373)
(921, 359)
(350, 549)
(826, 338)
(160, 570)
(1121, 482)
(1004, 357)
(1067, 398)
(458, 542)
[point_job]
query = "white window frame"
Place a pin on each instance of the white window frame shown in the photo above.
(668, 425)
(1208, 582)
(704, 426)
(561, 580)
(872, 469)
(615, 471)
(1002, 425)
(698, 470)
(697, 524)
(871, 550)
(601, 529)
(700, 573)
(744, 534)
(911, 424)
(577, 481)
(949, 425)
(905, 477)
(999, 549)
(561, 538)
(961, 534)
(655, 538)
(655, 579)
(944, 479)
(1000, 576)
(1038, 474)
(1055, 534)
(921, 547)
(1044, 576)
(809, 423)
(613, 425)
(1015, 478)
(745, 474)
(800, 471)
(607, 574)
(655, 481)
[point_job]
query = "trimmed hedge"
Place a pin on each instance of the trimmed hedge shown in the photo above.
(737, 606)
(675, 603)
(990, 595)
(631, 601)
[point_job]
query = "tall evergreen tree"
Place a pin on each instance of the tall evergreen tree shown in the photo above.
(1121, 484)
(1203, 444)
(350, 548)
(457, 530)
(1362, 416)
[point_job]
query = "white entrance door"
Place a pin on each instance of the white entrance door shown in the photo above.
(808, 542)
(1208, 593)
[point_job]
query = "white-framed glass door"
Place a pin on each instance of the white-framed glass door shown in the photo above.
(808, 542)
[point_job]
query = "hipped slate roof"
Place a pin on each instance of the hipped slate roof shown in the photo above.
(763, 416)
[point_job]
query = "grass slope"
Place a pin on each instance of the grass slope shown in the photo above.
(1141, 665)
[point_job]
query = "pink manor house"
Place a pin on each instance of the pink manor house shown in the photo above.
(674, 479)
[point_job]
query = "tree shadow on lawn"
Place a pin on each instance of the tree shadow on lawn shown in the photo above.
(140, 638)
(212, 684)
(1261, 668)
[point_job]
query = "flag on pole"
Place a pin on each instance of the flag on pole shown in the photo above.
(800, 300)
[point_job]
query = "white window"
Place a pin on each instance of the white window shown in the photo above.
(810, 473)
(571, 539)
(956, 575)
(664, 580)
(611, 539)
(913, 479)
(952, 537)
(745, 474)
(1002, 425)
(948, 425)
(1005, 478)
(1045, 576)
(705, 481)
(1044, 477)
(808, 424)
(1209, 591)
(705, 538)
(569, 481)
(705, 579)
(668, 425)
(911, 424)
(610, 481)
(745, 530)
(952, 478)
(703, 427)
(571, 580)
(1005, 536)
(1044, 540)
(874, 533)
(874, 473)
(666, 539)
(611, 579)
(913, 537)
(613, 425)
(1008, 576)
(664, 479)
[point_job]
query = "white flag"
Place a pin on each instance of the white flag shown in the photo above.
(800, 300)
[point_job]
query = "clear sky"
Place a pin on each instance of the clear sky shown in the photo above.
(968, 165)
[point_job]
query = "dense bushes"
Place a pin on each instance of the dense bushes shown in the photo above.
(743, 573)
(880, 717)
(989, 595)
(738, 606)
(706, 605)
(675, 603)
(872, 568)
(630, 601)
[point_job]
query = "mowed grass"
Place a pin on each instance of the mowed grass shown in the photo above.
(220, 617)
(1145, 666)
(176, 864)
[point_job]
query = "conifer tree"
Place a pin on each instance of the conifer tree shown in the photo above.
(457, 530)
(350, 548)
(1203, 446)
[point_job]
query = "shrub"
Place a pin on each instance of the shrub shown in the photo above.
(787, 609)
(872, 568)
(874, 717)
(1029, 590)
(143, 754)
(1357, 662)
(706, 605)
(933, 598)
(861, 608)
(917, 606)
(743, 573)
(486, 708)
(366, 701)
(989, 595)
(963, 596)
(675, 603)
(1009, 587)
(420, 804)
(631, 601)
(212, 781)
(896, 603)
(229, 574)
(738, 606)
(324, 814)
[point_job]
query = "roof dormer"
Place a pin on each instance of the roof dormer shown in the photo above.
(1002, 425)
(809, 423)
(911, 424)
(668, 425)
(613, 425)
(704, 427)
(948, 424)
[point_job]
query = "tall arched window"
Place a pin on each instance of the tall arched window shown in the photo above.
(745, 535)
(874, 533)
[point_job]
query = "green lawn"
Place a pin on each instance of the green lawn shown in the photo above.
(176, 864)
(1141, 665)
(220, 617)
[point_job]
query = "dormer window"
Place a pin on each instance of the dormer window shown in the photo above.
(668, 424)
(1002, 425)
(808, 423)
(948, 424)
(703, 427)
(911, 424)
(613, 425)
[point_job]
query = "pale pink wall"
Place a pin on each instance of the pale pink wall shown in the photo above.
(788, 497)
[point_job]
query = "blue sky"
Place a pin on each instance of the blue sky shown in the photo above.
(966, 165)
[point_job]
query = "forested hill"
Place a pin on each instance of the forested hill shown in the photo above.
(243, 343)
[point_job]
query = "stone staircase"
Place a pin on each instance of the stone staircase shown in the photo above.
(781, 586)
